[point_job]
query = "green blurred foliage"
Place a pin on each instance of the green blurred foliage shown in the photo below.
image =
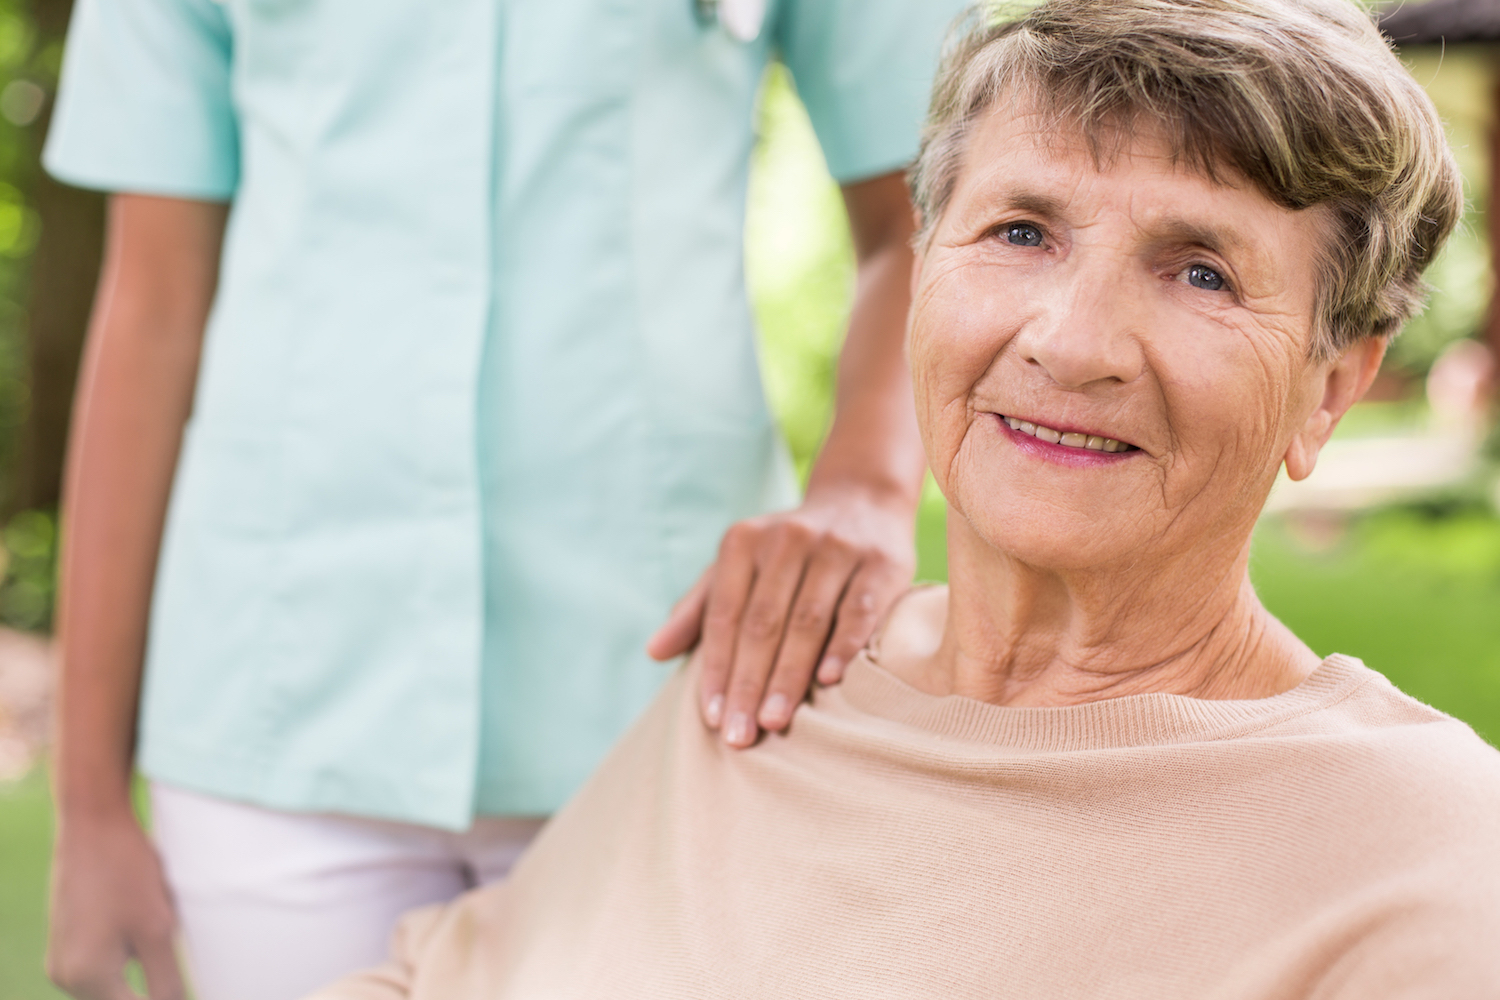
(28, 75)
(1461, 82)
(28, 553)
(1413, 591)
(800, 267)
(21, 95)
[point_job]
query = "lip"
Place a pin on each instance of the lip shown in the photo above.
(1062, 454)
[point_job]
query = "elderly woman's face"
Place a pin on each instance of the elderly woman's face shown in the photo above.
(1110, 356)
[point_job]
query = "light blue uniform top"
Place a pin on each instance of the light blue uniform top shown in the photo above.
(479, 392)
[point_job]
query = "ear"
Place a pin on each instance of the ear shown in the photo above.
(1341, 382)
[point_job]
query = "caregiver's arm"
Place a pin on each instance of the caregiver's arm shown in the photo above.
(140, 364)
(803, 590)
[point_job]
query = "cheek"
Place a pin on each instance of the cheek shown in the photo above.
(1225, 402)
(954, 341)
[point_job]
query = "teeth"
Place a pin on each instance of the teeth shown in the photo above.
(1072, 439)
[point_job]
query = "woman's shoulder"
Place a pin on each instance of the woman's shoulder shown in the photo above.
(1353, 697)
(913, 627)
(1412, 750)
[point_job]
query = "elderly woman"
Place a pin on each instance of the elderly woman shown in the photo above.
(1163, 246)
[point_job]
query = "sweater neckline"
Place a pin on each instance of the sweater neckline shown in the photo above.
(1136, 720)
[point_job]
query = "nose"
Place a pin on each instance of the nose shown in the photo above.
(1089, 329)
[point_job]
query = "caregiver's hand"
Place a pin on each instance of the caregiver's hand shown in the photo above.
(800, 591)
(110, 904)
(790, 594)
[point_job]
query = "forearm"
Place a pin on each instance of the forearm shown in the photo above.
(123, 449)
(135, 392)
(873, 444)
(802, 590)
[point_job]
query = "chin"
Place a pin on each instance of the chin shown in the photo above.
(1054, 536)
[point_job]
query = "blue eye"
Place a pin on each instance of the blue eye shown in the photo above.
(1202, 276)
(1023, 235)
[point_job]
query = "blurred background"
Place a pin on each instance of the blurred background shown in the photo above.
(1390, 552)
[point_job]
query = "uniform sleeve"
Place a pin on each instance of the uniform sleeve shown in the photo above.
(144, 102)
(863, 69)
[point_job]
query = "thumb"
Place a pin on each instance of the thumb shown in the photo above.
(680, 632)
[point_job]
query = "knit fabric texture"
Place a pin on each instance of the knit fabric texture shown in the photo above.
(1339, 840)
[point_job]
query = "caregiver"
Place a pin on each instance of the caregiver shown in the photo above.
(431, 322)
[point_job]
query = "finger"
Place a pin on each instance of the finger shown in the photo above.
(728, 588)
(680, 632)
(778, 576)
(874, 588)
(807, 632)
(158, 960)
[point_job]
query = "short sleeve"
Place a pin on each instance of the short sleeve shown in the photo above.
(863, 69)
(144, 103)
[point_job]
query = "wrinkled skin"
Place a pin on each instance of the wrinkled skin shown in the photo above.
(1130, 298)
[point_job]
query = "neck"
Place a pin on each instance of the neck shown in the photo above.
(1023, 636)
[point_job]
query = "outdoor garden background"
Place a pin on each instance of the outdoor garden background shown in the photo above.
(1400, 569)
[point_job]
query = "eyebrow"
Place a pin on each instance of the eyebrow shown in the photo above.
(1031, 201)
(1182, 232)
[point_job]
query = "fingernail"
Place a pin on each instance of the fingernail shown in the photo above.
(828, 671)
(714, 713)
(739, 731)
(774, 712)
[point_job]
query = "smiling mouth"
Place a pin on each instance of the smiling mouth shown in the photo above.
(1068, 439)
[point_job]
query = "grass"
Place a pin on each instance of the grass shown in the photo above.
(25, 841)
(1415, 594)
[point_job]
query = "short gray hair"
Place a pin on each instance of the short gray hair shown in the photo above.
(1304, 98)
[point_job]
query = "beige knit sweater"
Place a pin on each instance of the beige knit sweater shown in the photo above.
(1336, 841)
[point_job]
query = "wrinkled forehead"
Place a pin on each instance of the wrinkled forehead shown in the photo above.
(1027, 156)
(1108, 121)
(1105, 131)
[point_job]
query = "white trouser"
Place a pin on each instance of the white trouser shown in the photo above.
(274, 904)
